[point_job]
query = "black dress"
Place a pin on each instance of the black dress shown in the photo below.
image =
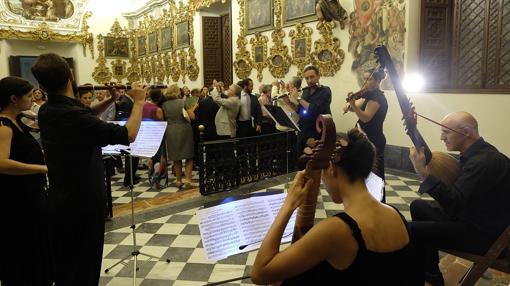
(24, 239)
(374, 127)
(368, 268)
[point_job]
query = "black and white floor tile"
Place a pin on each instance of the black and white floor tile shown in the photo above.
(177, 238)
(143, 190)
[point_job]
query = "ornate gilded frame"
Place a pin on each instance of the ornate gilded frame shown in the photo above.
(116, 32)
(183, 64)
(133, 73)
(101, 72)
(118, 69)
(175, 71)
(242, 61)
(259, 53)
(262, 28)
(183, 15)
(42, 31)
(305, 18)
(166, 24)
(301, 45)
(327, 54)
(279, 59)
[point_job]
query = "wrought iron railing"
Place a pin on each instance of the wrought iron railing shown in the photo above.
(227, 164)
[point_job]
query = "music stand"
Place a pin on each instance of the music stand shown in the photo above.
(281, 118)
(156, 134)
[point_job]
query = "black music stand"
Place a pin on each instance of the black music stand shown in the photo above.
(146, 145)
(134, 254)
(280, 117)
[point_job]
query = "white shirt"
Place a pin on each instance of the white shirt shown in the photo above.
(245, 110)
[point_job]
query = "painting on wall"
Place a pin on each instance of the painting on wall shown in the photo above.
(182, 35)
(42, 10)
(372, 23)
(259, 57)
(116, 47)
(300, 48)
(259, 15)
(153, 42)
(166, 38)
(298, 11)
(141, 43)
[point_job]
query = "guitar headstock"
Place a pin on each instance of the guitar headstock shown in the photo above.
(317, 154)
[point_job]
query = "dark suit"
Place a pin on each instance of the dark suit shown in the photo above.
(319, 98)
(205, 113)
(246, 128)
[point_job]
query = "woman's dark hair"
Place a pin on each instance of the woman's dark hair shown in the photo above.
(13, 85)
(357, 160)
(156, 96)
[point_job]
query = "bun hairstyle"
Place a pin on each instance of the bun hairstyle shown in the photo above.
(358, 157)
(13, 85)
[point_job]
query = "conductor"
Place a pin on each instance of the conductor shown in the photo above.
(72, 137)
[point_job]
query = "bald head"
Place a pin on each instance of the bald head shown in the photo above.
(463, 123)
(461, 120)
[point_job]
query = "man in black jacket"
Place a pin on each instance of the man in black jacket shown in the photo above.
(470, 215)
(314, 101)
(206, 113)
(249, 120)
(72, 137)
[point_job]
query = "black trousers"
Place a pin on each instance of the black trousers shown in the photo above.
(78, 247)
(245, 129)
(432, 229)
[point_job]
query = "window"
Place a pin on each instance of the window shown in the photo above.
(465, 45)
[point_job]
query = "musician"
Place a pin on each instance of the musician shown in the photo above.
(72, 137)
(471, 214)
(24, 234)
(314, 100)
(371, 111)
(289, 104)
(368, 237)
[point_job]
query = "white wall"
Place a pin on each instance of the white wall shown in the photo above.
(489, 109)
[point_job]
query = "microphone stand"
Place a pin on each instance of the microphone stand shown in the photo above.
(134, 254)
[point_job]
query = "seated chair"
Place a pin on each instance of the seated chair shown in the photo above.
(497, 257)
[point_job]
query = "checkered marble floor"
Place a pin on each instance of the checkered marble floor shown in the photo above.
(143, 190)
(177, 237)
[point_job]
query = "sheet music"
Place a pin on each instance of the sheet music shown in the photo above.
(147, 141)
(225, 227)
(375, 186)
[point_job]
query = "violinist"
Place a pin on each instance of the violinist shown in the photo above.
(370, 106)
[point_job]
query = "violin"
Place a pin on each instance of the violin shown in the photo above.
(357, 95)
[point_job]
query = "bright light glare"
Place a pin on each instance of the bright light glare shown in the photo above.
(413, 82)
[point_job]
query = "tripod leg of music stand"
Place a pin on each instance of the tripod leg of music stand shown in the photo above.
(117, 263)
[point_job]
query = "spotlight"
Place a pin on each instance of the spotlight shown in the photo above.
(413, 82)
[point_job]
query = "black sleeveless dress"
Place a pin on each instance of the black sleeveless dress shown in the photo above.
(374, 127)
(368, 268)
(24, 240)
